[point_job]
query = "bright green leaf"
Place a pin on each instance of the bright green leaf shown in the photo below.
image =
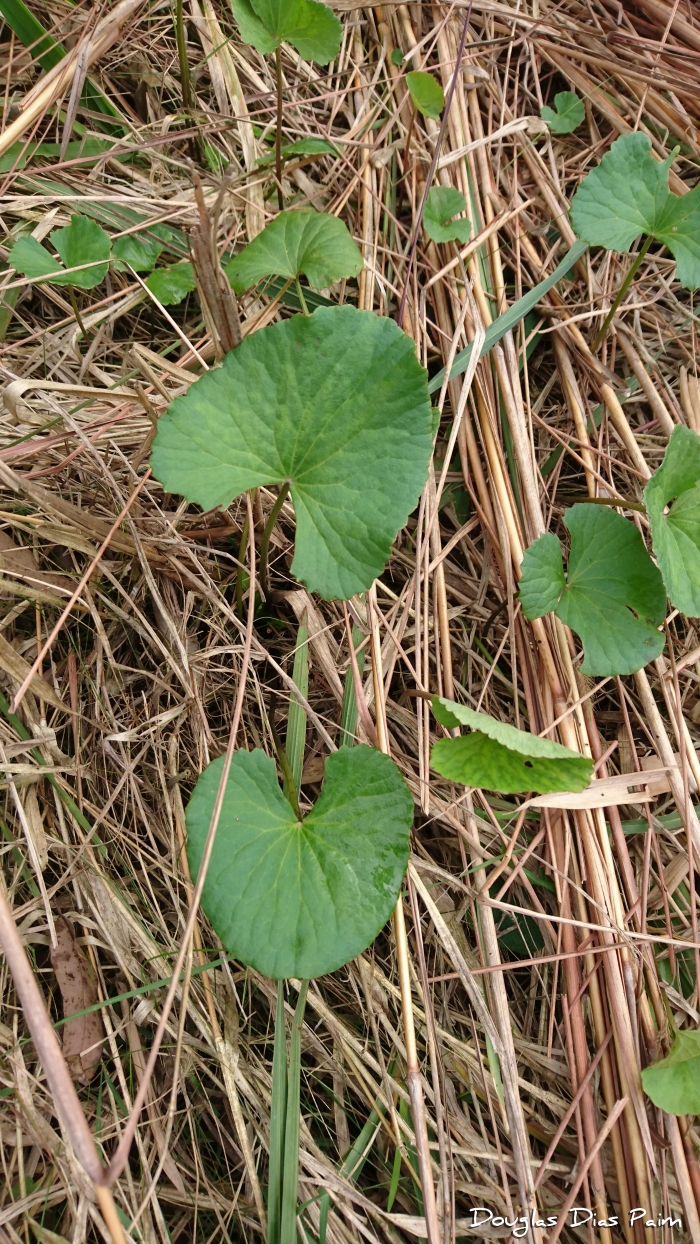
(331, 403)
(310, 27)
(139, 250)
(296, 242)
(567, 114)
(33, 260)
(496, 756)
(676, 535)
(673, 1084)
(610, 575)
(442, 203)
(302, 899)
(426, 93)
(83, 241)
(170, 285)
(628, 195)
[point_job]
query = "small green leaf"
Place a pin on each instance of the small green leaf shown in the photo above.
(442, 204)
(426, 93)
(330, 403)
(310, 27)
(496, 756)
(567, 114)
(296, 242)
(170, 285)
(610, 574)
(673, 1084)
(302, 899)
(628, 195)
(302, 146)
(396, 56)
(83, 241)
(33, 260)
(139, 250)
(676, 535)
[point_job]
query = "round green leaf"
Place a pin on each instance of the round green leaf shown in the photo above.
(310, 27)
(296, 242)
(83, 241)
(673, 1084)
(496, 756)
(567, 114)
(33, 260)
(676, 534)
(426, 93)
(442, 203)
(302, 899)
(337, 404)
(170, 285)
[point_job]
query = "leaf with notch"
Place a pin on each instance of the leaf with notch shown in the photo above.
(673, 1083)
(567, 114)
(330, 403)
(171, 285)
(310, 27)
(628, 195)
(302, 899)
(442, 203)
(676, 534)
(610, 575)
(426, 93)
(496, 756)
(140, 250)
(296, 242)
(83, 241)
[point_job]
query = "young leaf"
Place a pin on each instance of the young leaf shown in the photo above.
(33, 260)
(442, 204)
(295, 242)
(610, 574)
(496, 756)
(567, 114)
(673, 1084)
(83, 241)
(302, 146)
(139, 250)
(301, 899)
(426, 93)
(676, 535)
(170, 285)
(330, 403)
(310, 27)
(627, 195)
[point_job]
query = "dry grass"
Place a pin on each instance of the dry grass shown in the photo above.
(149, 658)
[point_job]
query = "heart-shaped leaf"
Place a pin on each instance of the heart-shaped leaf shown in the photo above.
(334, 404)
(312, 243)
(627, 195)
(171, 285)
(442, 203)
(673, 1084)
(567, 114)
(426, 93)
(81, 242)
(610, 574)
(676, 535)
(496, 756)
(310, 27)
(302, 899)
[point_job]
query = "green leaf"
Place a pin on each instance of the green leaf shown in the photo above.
(83, 241)
(332, 403)
(310, 27)
(628, 195)
(139, 250)
(293, 899)
(296, 242)
(33, 260)
(442, 203)
(567, 114)
(302, 146)
(170, 285)
(496, 756)
(610, 574)
(676, 535)
(426, 93)
(673, 1084)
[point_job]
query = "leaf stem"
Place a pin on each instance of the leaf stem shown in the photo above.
(284, 763)
(241, 569)
(185, 83)
(76, 312)
(278, 135)
(302, 300)
(622, 291)
(265, 542)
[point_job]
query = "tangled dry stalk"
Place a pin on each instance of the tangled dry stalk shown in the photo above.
(579, 926)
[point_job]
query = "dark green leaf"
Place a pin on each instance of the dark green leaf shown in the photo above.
(676, 535)
(673, 1084)
(442, 204)
(567, 114)
(170, 285)
(33, 260)
(139, 250)
(610, 575)
(314, 244)
(303, 146)
(496, 756)
(426, 93)
(330, 403)
(83, 241)
(294, 899)
(310, 27)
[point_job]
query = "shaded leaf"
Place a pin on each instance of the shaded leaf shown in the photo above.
(610, 575)
(139, 250)
(33, 260)
(301, 899)
(567, 114)
(82, 241)
(302, 146)
(426, 93)
(171, 285)
(326, 403)
(496, 756)
(310, 27)
(442, 203)
(314, 244)
(676, 535)
(673, 1084)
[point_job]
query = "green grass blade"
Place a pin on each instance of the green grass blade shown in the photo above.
(31, 33)
(323, 1218)
(513, 315)
(394, 1185)
(348, 716)
(290, 1180)
(278, 1116)
(296, 722)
